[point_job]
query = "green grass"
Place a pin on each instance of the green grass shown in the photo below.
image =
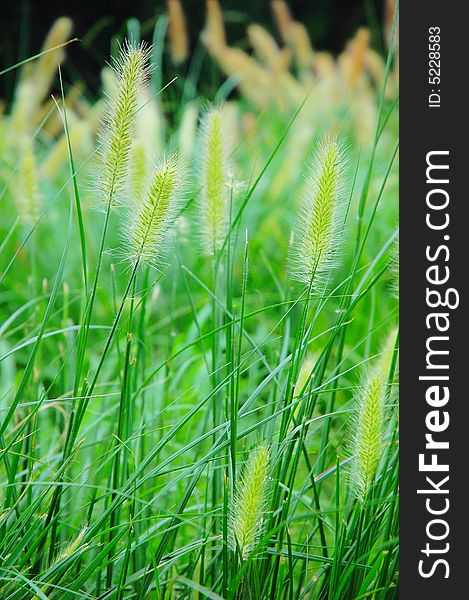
(131, 398)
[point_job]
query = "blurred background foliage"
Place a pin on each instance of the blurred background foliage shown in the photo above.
(25, 24)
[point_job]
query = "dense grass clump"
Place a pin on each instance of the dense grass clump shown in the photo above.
(180, 417)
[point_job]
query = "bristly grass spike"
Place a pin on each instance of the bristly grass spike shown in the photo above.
(215, 180)
(317, 241)
(132, 71)
(250, 502)
(153, 213)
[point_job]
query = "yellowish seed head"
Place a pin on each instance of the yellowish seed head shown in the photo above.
(264, 45)
(214, 200)
(214, 25)
(153, 214)
(319, 230)
(177, 31)
(299, 41)
(250, 502)
(283, 18)
(46, 68)
(37, 77)
(366, 432)
(131, 70)
(74, 546)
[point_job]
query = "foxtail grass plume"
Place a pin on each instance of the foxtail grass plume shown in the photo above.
(254, 81)
(154, 214)
(177, 31)
(282, 17)
(298, 39)
(214, 26)
(131, 69)
(319, 230)
(356, 53)
(250, 502)
(74, 546)
(37, 77)
(47, 64)
(214, 203)
(366, 433)
(266, 48)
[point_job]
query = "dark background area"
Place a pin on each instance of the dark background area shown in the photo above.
(25, 24)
